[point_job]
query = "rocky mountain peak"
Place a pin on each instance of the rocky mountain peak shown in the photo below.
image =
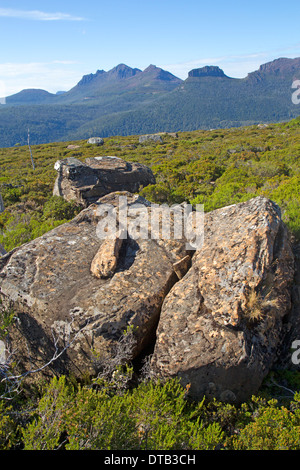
(280, 65)
(119, 72)
(151, 68)
(122, 71)
(207, 71)
(90, 77)
(160, 74)
(283, 67)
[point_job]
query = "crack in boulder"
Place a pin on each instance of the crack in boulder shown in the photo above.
(191, 308)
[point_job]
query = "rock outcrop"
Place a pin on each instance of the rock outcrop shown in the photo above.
(221, 326)
(217, 317)
(85, 182)
(95, 141)
(207, 71)
(72, 282)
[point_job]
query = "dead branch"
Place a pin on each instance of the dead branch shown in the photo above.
(13, 382)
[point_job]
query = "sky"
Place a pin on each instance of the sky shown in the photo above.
(50, 45)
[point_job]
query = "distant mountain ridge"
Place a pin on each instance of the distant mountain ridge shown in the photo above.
(30, 96)
(116, 80)
(127, 100)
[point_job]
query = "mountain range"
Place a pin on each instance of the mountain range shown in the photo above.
(125, 101)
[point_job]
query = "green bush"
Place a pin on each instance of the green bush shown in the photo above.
(8, 428)
(45, 430)
(166, 421)
(99, 421)
(154, 415)
(199, 167)
(150, 417)
(57, 208)
(273, 427)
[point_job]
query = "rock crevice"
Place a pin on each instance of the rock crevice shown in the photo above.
(217, 317)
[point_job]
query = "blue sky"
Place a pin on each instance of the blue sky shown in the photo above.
(51, 44)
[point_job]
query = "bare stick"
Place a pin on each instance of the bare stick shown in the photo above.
(1, 204)
(13, 382)
(2, 250)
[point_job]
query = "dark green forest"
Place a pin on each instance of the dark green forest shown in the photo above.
(124, 102)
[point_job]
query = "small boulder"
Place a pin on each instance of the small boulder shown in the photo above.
(95, 141)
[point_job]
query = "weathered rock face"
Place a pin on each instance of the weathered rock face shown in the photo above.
(207, 71)
(69, 281)
(86, 182)
(220, 316)
(221, 326)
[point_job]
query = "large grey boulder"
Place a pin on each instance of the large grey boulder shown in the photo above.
(221, 327)
(73, 284)
(85, 182)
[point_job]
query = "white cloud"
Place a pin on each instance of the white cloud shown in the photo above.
(37, 15)
(51, 76)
